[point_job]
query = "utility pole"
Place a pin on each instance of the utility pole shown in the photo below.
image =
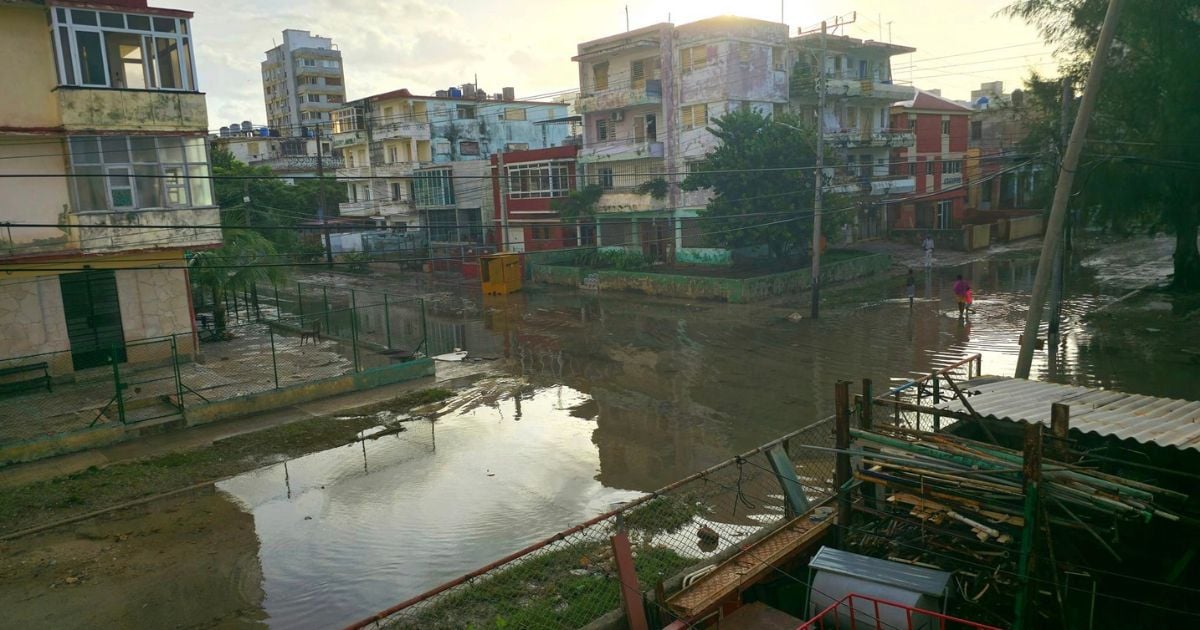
(321, 199)
(1062, 191)
(1056, 281)
(820, 184)
(501, 182)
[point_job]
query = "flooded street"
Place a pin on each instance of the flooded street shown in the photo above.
(595, 399)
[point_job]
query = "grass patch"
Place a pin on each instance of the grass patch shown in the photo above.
(663, 515)
(98, 488)
(567, 587)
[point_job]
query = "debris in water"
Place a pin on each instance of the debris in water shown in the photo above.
(795, 317)
(457, 355)
(308, 518)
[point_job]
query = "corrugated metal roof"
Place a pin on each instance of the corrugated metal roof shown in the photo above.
(905, 576)
(1144, 419)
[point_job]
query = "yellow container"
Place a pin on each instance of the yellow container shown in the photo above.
(500, 273)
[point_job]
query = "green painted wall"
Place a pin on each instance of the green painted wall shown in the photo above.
(704, 256)
(737, 290)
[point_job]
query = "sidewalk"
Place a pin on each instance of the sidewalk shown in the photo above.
(449, 376)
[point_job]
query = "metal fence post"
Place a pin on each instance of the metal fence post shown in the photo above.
(387, 321)
(278, 308)
(325, 302)
(424, 328)
(118, 386)
(300, 304)
(842, 469)
(178, 375)
(354, 336)
(274, 364)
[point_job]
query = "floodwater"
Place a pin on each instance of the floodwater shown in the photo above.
(598, 398)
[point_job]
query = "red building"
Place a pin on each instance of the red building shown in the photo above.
(935, 161)
(535, 178)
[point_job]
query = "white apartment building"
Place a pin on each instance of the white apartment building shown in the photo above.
(303, 82)
(646, 98)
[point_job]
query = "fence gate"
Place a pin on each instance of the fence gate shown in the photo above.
(93, 316)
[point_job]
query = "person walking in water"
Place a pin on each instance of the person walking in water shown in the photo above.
(962, 288)
(910, 287)
(927, 245)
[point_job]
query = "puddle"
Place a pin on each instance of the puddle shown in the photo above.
(354, 529)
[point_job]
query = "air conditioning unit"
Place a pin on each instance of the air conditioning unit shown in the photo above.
(616, 116)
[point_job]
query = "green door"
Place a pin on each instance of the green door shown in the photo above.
(93, 316)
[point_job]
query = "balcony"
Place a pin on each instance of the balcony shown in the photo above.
(349, 138)
(867, 138)
(313, 88)
(951, 179)
(374, 208)
(605, 151)
(108, 232)
(893, 185)
(605, 100)
(850, 87)
(353, 172)
(406, 130)
(396, 169)
(299, 163)
(625, 200)
(111, 109)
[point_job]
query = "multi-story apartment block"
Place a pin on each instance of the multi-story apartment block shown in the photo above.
(102, 112)
(412, 161)
(290, 158)
(303, 81)
(935, 159)
(857, 119)
(1001, 176)
(646, 98)
(523, 198)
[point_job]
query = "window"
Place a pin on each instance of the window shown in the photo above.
(744, 106)
(645, 128)
(777, 109)
(778, 57)
(115, 172)
(393, 154)
(694, 116)
(642, 70)
(977, 130)
(602, 129)
(744, 50)
(314, 98)
(945, 214)
(929, 167)
(335, 98)
(466, 111)
(516, 146)
(538, 179)
(945, 127)
(693, 58)
(600, 76)
(606, 177)
(514, 113)
(397, 191)
(468, 147)
(433, 188)
(912, 168)
(912, 123)
(693, 232)
(952, 167)
(333, 81)
(122, 51)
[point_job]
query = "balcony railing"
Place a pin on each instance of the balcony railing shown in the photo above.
(892, 185)
(111, 109)
(354, 172)
(612, 99)
(866, 88)
(349, 138)
(858, 138)
(293, 163)
(388, 131)
(107, 232)
(375, 207)
(608, 151)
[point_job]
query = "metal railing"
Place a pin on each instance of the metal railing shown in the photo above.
(908, 404)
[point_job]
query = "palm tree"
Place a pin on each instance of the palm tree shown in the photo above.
(243, 261)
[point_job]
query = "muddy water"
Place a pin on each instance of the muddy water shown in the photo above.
(599, 398)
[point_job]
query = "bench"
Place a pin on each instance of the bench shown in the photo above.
(25, 377)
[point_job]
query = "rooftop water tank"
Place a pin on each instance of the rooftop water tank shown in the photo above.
(510, 93)
(441, 94)
(247, 125)
(455, 92)
(224, 132)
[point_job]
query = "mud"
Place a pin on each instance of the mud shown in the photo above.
(190, 562)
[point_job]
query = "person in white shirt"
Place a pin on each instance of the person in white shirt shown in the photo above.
(927, 245)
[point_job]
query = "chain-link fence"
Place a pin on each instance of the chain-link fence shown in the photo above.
(272, 339)
(570, 579)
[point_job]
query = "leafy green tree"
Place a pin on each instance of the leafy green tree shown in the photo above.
(762, 179)
(579, 205)
(1138, 168)
(240, 263)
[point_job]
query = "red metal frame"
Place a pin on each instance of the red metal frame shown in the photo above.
(944, 622)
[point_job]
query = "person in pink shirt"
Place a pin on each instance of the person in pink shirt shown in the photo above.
(962, 289)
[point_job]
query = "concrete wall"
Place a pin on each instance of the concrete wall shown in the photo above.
(1024, 227)
(32, 200)
(154, 302)
(87, 109)
(31, 319)
(30, 75)
(109, 231)
(736, 290)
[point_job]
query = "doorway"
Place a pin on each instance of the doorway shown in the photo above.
(93, 314)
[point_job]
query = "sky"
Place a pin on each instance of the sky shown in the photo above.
(427, 45)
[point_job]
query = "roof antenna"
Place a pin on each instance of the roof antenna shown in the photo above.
(627, 18)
